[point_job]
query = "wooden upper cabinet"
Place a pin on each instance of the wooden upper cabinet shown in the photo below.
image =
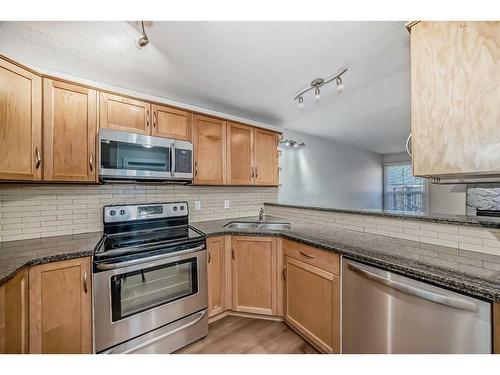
(60, 307)
(254, 274)
(209, 143)
(125, 114)
(216, 276)
(240, 168)
(171, 123)
(70, 131)
(266, 157)
(455, 96)
(20, 123)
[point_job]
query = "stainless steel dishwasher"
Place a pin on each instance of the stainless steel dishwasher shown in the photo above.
(383, 312)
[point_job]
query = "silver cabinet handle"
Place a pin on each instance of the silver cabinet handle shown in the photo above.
(283, 273)
(196, 168)
(417, 292)
(307, 255)
(154, 119)
(91, 161)
(133, 262)
(256, 172)
(408, 146)
(147, 119)
(232, 252)
(85, 287)
(38, 158)
(253, 172)
(209, 255)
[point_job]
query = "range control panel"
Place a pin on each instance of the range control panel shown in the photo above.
(133, 212)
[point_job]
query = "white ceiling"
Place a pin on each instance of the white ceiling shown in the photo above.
(247, 69)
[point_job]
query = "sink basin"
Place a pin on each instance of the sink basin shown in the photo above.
(250, 225)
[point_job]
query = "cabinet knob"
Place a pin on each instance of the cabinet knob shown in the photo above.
(196, 168)
(154, 119)
(85, 287)
(232, 252)
(147, 119)
(38, 158)
(209, 255)
(91, 161)
(283, 273)
(306, 255)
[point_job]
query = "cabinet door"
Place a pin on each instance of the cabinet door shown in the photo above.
(254, 274)
(209, 138)
(125, 114)
(266, 157)
(20, 123)
(171, 123)
(60, 307)
(216, 276)
(14, 314)
(455, 91)
(312, 303)
(69, 132)
(240, 167)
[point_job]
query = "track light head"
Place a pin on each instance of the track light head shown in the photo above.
(301, 102)
(317, 94)
(340, 84)
(143, 40)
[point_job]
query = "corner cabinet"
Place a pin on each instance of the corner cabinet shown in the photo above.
(455, 91)
(69, 132)
(60, 307)
(312, 294)
(20, 123)
(254, 274)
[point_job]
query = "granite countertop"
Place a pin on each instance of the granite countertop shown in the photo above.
(471, 220)
(15, 255)
(386, 252)
(389, 253)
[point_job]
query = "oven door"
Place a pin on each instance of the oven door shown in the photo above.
(128, 155)
(130, 301)
(182, 162)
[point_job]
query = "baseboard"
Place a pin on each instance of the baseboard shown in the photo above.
(244, 315)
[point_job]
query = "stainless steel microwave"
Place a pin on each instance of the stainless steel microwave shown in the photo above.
(131, 156)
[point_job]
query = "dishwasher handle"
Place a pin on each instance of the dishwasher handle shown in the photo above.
(456, 303)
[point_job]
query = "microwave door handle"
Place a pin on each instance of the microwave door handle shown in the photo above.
(172, 159)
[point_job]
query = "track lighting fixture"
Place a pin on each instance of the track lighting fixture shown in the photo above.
(291, 144)
(317, 84)
(143, 40)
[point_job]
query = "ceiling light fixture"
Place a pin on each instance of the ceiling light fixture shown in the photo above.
(290, 143)
(317, 84)
(143, 40)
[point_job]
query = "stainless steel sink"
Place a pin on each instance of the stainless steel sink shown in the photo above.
(263, 226)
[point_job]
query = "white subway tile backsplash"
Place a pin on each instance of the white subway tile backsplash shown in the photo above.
(40, 210)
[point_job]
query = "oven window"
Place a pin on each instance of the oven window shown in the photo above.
(131, 156)
(138, 291)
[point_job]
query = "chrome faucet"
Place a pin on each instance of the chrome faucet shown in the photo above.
(261, 214)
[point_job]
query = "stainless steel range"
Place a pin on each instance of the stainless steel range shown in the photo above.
(150, 280)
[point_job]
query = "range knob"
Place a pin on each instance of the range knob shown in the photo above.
(112, 213)
(182, 208)
(175, 208)
(122, 212)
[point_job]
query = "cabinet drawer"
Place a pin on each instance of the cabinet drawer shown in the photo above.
(322, 259)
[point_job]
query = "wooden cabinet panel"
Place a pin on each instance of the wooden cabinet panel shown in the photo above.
(323, 259)
(125, 114)
(209, 142)
(20, 123)
(216, 276)
(240, 157)
(14, 314)
(60, 307)
(171, 123)
(312, 303)
(254, 274)
(496, 328)
(266, 157)
(70, 131)
(455, 91)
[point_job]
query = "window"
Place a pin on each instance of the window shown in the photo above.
(402, 191)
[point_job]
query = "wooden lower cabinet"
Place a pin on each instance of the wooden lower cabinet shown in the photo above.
(14, 314)
(216, 276)
(60, 307)
(254, 274)
(496, 328)
(312, 294)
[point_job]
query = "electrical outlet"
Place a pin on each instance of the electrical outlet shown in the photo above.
(197, 205)
(226, 203)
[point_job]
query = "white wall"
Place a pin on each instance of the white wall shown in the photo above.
(328, 173)
(443, 199)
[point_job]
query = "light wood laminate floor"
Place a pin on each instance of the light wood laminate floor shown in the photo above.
(238, 335)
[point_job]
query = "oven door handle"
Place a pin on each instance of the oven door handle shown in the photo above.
(133, 262)
(161, 337)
